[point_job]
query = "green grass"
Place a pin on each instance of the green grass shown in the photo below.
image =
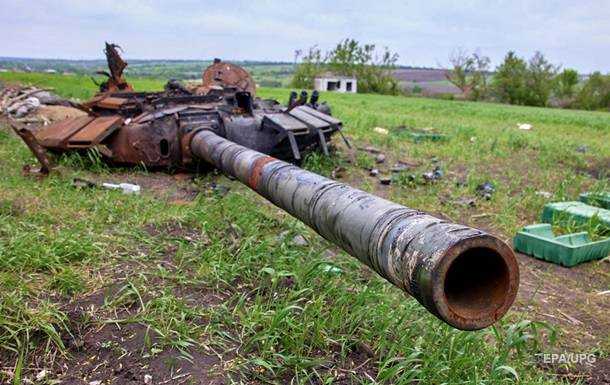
(74, 86)
(215, 276)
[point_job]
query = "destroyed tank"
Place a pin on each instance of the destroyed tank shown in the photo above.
(154, 129)
(464, 276)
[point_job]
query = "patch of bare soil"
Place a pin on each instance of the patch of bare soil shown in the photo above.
(120, 353)
(571, 298)
(600, 374)
(594, 373)
(177, 188)
(598, 169)
(359, 364)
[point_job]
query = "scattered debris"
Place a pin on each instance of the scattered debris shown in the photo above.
(485, 190)
(421, 134)
(127, 188)
(466, 202)
(41, 375)
(299, 240)
(380, 158)
(462, 181)
(281, 236)
(21, 109)
(433, 175)
(83, 183)
(19, 102)
(338, 172)
(219, 189)
(582, 149)
(524, 126)
(544, 194)
(401, 166)
(380, 130)
(330, 269)
(370, 149)
(374, 172)
(385, 180)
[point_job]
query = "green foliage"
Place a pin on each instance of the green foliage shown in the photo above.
(539, 81)
(67, 281)
(565, 83)
(373, 70)
(311, 66)
(595, 93)
(509, 82)
(518, 82)
(469, 74)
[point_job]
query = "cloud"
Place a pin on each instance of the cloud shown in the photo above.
(575, 33)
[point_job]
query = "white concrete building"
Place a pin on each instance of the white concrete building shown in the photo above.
(336, 83)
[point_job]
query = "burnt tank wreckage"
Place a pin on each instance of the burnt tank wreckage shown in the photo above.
(464, 276)
(155, 128)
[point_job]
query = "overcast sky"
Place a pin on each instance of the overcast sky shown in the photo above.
(572, 33)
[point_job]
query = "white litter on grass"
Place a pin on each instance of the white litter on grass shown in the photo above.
(127, 188)
(524, 126)
(381, 130)
(41, 375)
(544, 194)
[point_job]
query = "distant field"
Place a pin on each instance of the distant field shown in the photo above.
(184, 280)
(265, 74)
(431, 81)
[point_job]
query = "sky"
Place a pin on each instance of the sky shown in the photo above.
(574, 34)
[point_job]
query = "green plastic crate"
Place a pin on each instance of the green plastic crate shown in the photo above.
(575, 212)
(568, 250)
(601, 199)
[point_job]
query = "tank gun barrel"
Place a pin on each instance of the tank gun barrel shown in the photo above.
(464, 276)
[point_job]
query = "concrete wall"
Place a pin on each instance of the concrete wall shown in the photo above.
(336, 84)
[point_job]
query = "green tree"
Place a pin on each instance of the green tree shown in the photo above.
(311, 66)
(509, 82)
(350, 58)
(595, 93)
(540, 78)
(565, 83)
(469, 74)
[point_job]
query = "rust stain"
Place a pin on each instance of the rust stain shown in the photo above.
(257, 171)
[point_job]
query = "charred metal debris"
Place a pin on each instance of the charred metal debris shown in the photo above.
(154, 129)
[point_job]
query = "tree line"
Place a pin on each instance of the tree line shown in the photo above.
(533, 82)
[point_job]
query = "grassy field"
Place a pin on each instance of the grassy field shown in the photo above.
(189, 283)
